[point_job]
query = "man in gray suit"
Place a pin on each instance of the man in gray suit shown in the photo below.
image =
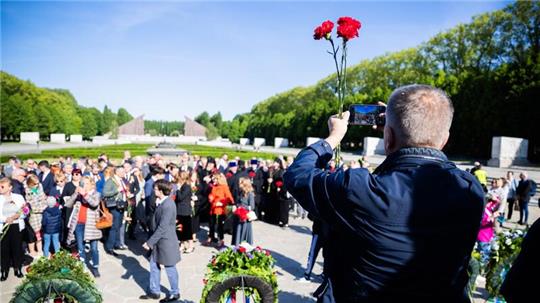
(164, 244)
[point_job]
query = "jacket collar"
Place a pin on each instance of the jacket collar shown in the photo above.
(413, 155)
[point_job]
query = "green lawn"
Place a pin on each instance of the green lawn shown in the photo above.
(117, 152)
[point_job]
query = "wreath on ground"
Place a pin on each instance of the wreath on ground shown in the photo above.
(241, 271)
(504, 251)
(61, 278)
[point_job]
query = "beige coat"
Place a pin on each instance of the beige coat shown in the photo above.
(92, 215)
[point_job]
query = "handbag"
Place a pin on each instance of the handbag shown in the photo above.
(105, 219)
(251, 216)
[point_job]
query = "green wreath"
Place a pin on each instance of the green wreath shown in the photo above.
(244, 268)
(60, 276)
(39, 290)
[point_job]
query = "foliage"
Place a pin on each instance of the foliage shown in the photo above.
(26, 107)
(504, 251)
(61, 266)
(240, 260)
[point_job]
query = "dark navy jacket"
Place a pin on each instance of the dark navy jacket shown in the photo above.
(52, 220)
(405, 232)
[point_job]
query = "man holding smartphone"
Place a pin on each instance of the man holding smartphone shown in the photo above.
(407, 230)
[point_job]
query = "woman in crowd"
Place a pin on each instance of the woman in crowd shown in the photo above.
(196, 201)
(37, 200)
(56, 191)
(11, 214)
(219, 197)
(69, 189)
(82, 223)
(137, 188)
(242, 230)
(487, 227)
(280, 196)
(115, 194)
(184, 212)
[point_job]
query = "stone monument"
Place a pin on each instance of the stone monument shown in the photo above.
(508, 151)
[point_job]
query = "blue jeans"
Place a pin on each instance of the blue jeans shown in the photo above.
(47, 243)
(155, 274)
(79, 236)
(112, 241)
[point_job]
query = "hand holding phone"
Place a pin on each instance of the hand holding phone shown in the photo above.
(367, 114)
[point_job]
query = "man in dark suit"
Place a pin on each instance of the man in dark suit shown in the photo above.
(524, 194)
(45, 177)
(150, 198)
(164, 244)
(409, 228)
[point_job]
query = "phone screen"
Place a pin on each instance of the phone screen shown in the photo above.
(362, 114)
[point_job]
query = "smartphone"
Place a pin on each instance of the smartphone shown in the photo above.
(362, 114)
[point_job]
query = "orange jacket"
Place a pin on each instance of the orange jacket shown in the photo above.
(220, 193)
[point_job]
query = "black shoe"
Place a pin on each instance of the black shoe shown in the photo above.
(95, 272)
(121, 247)
(112, 253)
(4, 276)
(18, 273)
(149, 296)
(170, 299)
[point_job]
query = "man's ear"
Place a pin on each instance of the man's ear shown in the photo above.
(445, 140)
(389, 140)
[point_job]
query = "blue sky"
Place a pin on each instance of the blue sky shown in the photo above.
(170, 59)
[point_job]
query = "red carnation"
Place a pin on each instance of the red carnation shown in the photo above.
(324, 30)
(348, 28)
(241, 213)
(252, 174)
(279, 183)
(229, 175)
(242, 249)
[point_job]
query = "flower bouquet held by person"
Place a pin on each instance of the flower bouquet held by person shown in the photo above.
(347, 30)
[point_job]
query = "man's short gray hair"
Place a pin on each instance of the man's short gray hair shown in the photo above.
(420, 115)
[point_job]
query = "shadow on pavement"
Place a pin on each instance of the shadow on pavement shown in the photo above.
(287, 264)
(300, 229)
(289, 297)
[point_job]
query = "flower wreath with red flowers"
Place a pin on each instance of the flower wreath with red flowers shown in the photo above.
(241, 260)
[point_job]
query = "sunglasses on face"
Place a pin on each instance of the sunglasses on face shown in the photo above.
(76, 174)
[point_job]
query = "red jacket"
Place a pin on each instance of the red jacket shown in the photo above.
(220, 194)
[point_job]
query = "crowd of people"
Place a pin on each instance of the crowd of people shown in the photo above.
(64, 202)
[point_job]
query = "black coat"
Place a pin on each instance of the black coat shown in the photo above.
(183, 201)
(18, 187)
(47, 183)
(403, 233)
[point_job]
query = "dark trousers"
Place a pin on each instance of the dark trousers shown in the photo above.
(314, 249)
(283, 212)
(218, 220)
(523, 211)
(511, 202)
(12, 251)
(115, 229)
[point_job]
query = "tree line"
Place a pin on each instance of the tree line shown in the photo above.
(490, 68)
(26, 107)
